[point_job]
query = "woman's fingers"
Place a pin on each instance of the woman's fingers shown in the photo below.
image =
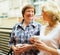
(33, 40)
(41, 46)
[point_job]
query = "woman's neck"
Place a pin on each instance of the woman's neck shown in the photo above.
(50, 27)
(26, 22)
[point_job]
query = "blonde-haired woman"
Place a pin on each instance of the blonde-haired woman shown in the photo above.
(49, 39)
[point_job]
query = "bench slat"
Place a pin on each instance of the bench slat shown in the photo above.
(4, 39)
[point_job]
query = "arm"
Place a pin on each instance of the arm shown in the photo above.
(42, 46)
(12, 41)
(24, 47)
(19, 48)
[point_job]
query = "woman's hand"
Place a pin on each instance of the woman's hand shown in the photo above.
(40, 45)
(34, 39)
(24, 47)
(14, 48)
(44, 47)
(18, 49)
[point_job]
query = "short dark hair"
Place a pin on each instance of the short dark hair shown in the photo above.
(27, 7)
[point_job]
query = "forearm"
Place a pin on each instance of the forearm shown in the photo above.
(49, 49)
(52, 50)
(46, 48)
(42, 46)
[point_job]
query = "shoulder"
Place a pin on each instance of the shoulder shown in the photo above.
(16, 25)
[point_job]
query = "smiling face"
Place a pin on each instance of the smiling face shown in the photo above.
(29, 14)
(47, 17)
(50, 13)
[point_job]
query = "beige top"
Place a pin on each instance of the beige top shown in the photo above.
(52, 39)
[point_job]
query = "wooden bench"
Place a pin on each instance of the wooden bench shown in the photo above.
(4, 39)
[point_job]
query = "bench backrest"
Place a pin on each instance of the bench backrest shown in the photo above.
(4, 39)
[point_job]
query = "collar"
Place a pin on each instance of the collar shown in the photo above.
(32, 23)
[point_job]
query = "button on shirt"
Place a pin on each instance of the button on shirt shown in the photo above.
(21, 35)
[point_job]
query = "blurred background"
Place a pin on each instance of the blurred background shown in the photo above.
(10, 14)
(10, 10)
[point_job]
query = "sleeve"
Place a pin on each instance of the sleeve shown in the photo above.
(12, 37)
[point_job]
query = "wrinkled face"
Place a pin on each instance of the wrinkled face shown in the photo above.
(29, 14)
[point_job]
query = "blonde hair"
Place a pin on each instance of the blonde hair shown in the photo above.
(51, 8)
